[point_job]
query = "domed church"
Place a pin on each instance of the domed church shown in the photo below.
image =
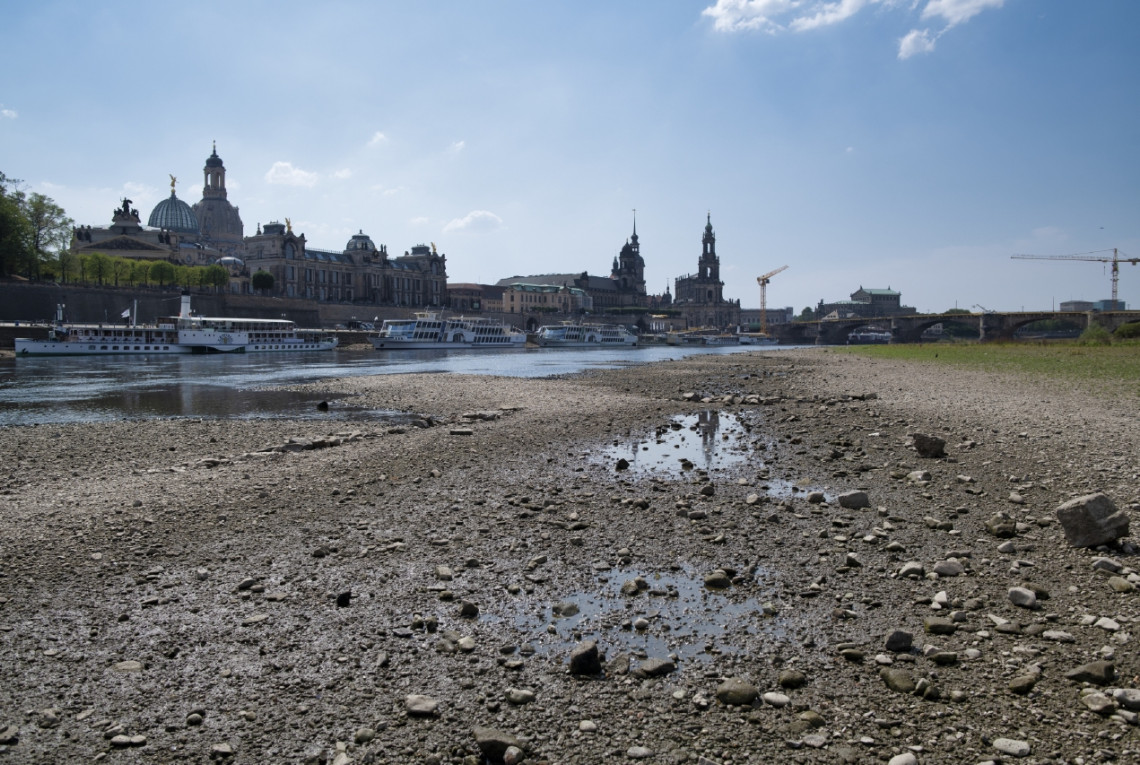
(218, 220)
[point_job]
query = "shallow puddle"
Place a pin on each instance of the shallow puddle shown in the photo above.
(708, 440)
(677, 615)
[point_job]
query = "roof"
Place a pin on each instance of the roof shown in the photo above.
(173, 214)
(871, 291)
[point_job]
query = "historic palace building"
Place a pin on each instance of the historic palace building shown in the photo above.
(211, 231)
(583, 292)
(700, 296)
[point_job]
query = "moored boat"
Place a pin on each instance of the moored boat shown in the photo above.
(184, 333)
(430, 331)
(571, 335)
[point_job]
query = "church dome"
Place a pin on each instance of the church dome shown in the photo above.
(360, 242)
(175, 215)
(214, 160)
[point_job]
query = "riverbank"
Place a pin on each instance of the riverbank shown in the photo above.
(177, 590)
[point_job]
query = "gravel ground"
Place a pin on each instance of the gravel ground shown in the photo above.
(411, 592)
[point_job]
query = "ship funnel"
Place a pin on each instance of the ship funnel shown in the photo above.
(184, 313)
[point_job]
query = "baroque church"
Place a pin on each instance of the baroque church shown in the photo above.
(211, 231)
(700, 296)
(623, 288)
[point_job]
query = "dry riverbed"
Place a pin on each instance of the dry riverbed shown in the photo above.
(412, 591)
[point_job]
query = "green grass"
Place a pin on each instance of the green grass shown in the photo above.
(1111, 367)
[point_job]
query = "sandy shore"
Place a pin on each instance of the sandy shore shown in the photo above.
(411, 592)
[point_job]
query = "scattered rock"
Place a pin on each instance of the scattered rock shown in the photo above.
(1012, 747)
(853, 500)
(585, 659)
(927, 446)
(1092, 520)
(737, 692)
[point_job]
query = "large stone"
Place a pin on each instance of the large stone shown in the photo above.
(653, 667)
(585, 659)
(898, 680)
(1012, 747)
(1092, 520)
(1098, 672)
(494, 743)
(418, 705)
(1001, 525)
(736, 692)
(853, 500)
(899, 641)
(929, 446)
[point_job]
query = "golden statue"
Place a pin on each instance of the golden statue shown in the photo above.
(433, 248)
(173, 181)
(288, 226)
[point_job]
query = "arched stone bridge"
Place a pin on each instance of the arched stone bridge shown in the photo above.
(909, 329)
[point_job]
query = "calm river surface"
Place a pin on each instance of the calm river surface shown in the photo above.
(93, 389)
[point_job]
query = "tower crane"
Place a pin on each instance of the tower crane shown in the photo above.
(1094, 256)
(763, 282)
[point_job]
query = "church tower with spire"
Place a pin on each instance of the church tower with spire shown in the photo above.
(218, 220)
(700, 296)
(629, 267)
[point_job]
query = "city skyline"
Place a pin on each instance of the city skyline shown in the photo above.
(874, 143)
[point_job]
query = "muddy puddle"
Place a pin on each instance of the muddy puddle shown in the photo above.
(674, 614)
(708, 440)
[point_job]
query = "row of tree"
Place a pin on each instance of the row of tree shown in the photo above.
(33, 231)
(103, 270)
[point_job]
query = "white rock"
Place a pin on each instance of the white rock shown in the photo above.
(1012, 747)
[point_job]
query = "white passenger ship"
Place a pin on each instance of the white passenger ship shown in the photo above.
(430, 331)
(570, 335)
(185, 333)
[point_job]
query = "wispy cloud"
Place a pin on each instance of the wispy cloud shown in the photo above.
(343, 174)
(457, 147)
(916, 41)
(475, 222)
(8, 114)
(284, 174)
(421, 220)
(778, 16)
(377, 139)
(828, 14)
(955, 12)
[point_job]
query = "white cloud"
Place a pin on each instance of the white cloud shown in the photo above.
(421, 220)
(777, 16)
(955, 12)
(916, 41)
(744, 15)
(284, 174)
(377, 139)
(457, 147)
(829, 13)
(475, 222)
(342, 174)
(9, 114)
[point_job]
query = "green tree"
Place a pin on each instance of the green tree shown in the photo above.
(98, 267)
(67, 265)
(51, 229)
(262, 280)
(120, 270)
(217, 276)
(806, 315)
(162, 271)
(17, 249)
(955, 310)
(140, 271)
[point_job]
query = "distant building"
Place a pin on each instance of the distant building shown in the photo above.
(1077, 305)
(212, 232)
(521, 298)
(465, 296)
(623, 288)
(700, 296)
(750, 317)
(865, 303)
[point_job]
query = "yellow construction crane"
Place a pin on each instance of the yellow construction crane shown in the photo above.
(763, 282)
(1094, 256)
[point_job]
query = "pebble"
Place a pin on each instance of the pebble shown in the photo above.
(736, 691)
(778, 700)
(639, 753)
(1012, 747)
(1023, 597)
(906, 758)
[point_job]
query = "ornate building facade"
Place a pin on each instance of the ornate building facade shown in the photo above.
(212, 232)
(623, 288)
(700, 296)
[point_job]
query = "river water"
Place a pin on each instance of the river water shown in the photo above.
(93, 389)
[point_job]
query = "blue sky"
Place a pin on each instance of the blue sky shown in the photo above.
(915, 144)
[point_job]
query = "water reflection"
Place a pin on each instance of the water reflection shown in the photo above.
(708, 440)
(91, 388)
